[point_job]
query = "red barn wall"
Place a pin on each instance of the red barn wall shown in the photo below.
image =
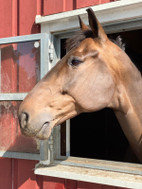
(17, 18)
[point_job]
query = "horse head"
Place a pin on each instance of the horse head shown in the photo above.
(83, 80)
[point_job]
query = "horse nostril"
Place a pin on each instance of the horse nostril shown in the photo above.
(23, 119)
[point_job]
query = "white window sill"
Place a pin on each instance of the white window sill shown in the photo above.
(66, 169)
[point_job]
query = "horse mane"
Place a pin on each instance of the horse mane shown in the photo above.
(79, 36)
(118, 41)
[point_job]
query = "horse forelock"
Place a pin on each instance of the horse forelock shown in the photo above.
(78, 38)
(83, 34)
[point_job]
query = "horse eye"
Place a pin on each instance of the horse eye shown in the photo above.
(75, 62)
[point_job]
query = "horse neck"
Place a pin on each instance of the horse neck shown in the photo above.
(130, 102)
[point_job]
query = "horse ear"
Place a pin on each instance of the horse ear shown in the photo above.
(82, 25)
(95, 25)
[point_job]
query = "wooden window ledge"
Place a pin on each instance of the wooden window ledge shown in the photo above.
(66, 169)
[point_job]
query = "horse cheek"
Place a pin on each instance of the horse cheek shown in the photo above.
(102, 91)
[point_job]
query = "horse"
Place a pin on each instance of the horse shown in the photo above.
(94, 74)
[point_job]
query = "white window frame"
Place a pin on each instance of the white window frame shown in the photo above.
(44, 153)
(123, 15)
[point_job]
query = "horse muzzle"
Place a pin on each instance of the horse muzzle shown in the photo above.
(40, 127)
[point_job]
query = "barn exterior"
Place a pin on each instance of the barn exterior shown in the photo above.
(32, 33)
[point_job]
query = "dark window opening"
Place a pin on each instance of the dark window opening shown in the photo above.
(99, 135)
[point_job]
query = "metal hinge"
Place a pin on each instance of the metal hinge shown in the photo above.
(51, 52)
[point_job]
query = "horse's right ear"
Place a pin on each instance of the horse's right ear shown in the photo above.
(95, 25)
(82, 25)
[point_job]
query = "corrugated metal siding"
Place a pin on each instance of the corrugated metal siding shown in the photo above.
(17, 18)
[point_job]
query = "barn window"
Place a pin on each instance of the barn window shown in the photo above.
(103, 139)
(71, 155)
(21, 67)
(99, 132)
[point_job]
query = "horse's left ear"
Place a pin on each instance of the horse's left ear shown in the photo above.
(82, 25)
(95, 25)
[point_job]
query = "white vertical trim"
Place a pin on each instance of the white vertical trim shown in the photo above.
(68, 138)
(57, 143)
(0, 70)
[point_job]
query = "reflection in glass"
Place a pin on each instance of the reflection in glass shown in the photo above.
(20, 66)
(10, 135)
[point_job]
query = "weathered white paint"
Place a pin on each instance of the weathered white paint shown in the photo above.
(66, 170)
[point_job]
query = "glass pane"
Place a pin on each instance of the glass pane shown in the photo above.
(10, 135)
(20, 66)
